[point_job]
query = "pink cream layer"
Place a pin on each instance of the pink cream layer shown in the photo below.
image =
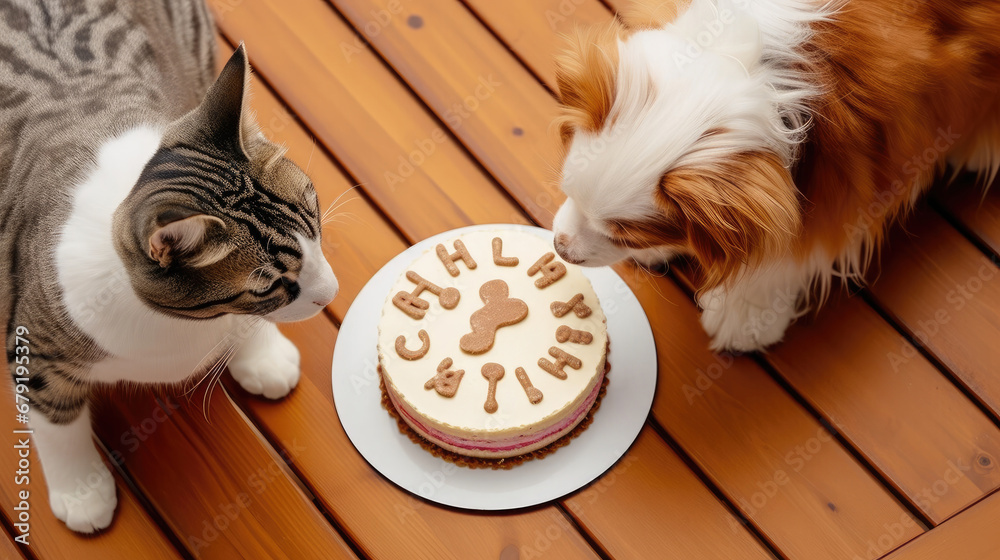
(499, 446)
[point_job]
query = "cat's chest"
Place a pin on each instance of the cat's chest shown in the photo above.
(166, 353)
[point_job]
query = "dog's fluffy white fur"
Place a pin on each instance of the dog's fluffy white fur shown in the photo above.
(755, 135)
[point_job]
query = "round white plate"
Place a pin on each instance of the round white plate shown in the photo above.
(375, 434)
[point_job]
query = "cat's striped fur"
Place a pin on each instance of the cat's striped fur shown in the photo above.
(146, 225)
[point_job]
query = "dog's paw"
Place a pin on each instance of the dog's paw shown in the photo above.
(90, 506)
(735, 323)
(268, 366)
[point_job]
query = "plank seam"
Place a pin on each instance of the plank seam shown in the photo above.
(279, 453)
(26, 552)
(147, 505)
(901, 327)
(965, 231)
(587, 537)
(712, 487)
(432, 114)
(489, 28)
(773, 372)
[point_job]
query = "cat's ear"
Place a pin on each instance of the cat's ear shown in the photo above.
(224, 117)
(187, 240)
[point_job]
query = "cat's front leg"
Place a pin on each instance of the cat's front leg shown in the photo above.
(267, 363)
(81, 488)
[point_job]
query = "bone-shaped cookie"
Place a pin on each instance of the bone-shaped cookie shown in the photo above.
(566, 333)
(499, 311)
(492, 372)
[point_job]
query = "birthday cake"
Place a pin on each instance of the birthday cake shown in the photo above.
(490, 346)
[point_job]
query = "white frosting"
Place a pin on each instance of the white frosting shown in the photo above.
(519, 345)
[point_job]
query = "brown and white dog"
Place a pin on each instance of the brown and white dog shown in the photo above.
(772, 140)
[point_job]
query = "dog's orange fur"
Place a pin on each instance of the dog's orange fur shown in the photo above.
(894, 81)
(895, 77)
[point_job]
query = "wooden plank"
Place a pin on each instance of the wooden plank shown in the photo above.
(218, 486)
(632, 510)
(384, 521)
(533, 29)
(979, 212)
(452, 61)
(903, 416)
(9, 550)
(133, 534)
(405, 159)
(357, 241)
(946, 294)
(971, 535)
(784, 470)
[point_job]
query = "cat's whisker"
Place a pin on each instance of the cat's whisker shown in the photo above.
(333, 205)
(312, 150)
(224, 362)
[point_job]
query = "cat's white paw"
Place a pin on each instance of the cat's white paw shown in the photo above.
(738, 323)
(88, 507)
(267, 366)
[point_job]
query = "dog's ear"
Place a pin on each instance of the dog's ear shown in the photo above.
(586, 72)
(737, 211)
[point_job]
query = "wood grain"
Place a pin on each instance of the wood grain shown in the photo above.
(133, 533)
(221, 489)
(534, 29)
(774, 461)
(966, 202)
(903, 416)
(455, 65)
(650, 489)
(8, 549)
(946, 294)
(405, 159)
(971, 535)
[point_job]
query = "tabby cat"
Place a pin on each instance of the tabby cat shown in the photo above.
(148, 229)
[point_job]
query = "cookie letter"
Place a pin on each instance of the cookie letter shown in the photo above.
(460, 253)
(498, 258)
(563, 359)
(446, 381)
(551, 271)
(406, 354)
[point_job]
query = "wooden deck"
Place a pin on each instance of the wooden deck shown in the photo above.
(873, 431)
